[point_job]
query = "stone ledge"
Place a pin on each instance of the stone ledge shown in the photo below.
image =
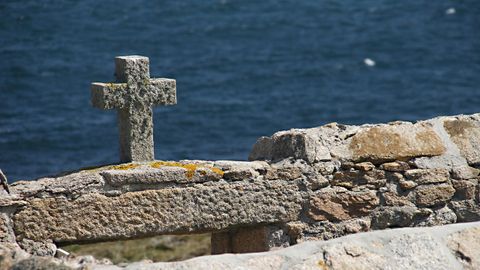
(413, 248)
(96, 217)
(445, 247)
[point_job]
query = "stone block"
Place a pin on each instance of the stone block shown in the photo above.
(145, 176)
(262, 149)
(427, 176)
(407, 185)
(350, 179)
(254, 239)
(433, 195)
(391, 198)
(229, 165)
(325, 230)
(312, 145)
(291, 173)
(464, 172)
(317, 181)
(298, 145)
(395, 142)
(241, 170)
(447, 160)
(325, 168)
(394, 217)
(336, 206)
(250, 239)
(94, 216)
(465, 133)
(439, 216)
(465, 189)
(396, 166)
(162, 172)
(221, 242)
(72, 184)
(364, 166)
(466, 210)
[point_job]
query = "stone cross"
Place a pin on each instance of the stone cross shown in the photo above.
(133, 95)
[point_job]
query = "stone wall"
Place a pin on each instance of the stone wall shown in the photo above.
(301, 184)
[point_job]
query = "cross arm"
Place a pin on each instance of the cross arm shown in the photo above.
(162, 91)
(108, 95)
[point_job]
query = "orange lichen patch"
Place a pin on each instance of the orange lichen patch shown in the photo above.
(217, 171)
(322, 265)
(190, 167)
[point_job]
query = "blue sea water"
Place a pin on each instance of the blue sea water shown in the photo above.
(243, 68)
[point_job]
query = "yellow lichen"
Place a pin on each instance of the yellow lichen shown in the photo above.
(217, 171)
(190, 167)
(322, 265)
(126, 166)
(115, 86)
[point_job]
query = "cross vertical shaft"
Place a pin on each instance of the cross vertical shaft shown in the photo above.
(135, 122)
(136, 134)
(133, 95)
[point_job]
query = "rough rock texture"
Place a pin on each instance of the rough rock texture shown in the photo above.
(465, 133)
(467, 210)
(396, 142)
(6, 232)
(334, 206)
(434, 195)
(318, 183)
(427, 176)
(466, 246)
(173, 210)
(446, 247)
(246, 239)
(449, 247)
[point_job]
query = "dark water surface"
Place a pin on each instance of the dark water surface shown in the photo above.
(243, 68)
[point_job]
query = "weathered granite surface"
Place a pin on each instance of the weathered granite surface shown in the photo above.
(302, 184)
(443, 247)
